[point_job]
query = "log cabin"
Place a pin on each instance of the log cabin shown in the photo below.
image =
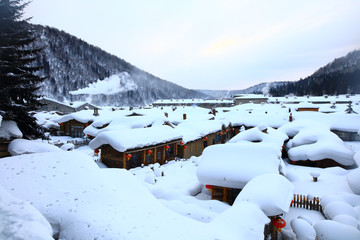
(130, 148)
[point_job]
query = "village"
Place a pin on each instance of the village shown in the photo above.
(251, 167)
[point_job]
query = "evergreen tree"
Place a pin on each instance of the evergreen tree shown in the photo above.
(18, 78)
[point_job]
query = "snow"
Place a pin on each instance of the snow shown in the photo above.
(23, 146)
(193, 130)
(110, 203)
(271, 192)
(353, 180)
(20, 220)
(335, 208)
(303, 229)
(9, 130)
(125, 139)
(332, 230)
(114, 84)
(317, 143)
(82, 199)
(234, 164)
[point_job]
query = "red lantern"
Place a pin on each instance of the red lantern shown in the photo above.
(226, 130)
(96, 151)
(88, 135)
(278, 223)
(209, 187)
(205, 138)
(221, 134)
(86, 124)
(61, 124)
(128, 156)
(184, 147)
(148, 152)
(182, 143)
(167, 147)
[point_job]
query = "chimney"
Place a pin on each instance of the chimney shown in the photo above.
(96, 112)
(184, 116)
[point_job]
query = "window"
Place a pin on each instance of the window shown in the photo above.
(77, 131)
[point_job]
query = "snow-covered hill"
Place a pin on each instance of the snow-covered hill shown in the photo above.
(72, 64)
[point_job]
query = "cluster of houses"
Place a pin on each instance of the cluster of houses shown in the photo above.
(128, 138)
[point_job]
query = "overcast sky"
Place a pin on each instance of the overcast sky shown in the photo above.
(212, 44)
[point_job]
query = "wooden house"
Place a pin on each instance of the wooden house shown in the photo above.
(225, 169)
(249, 98)
(74, 128)
(197, 135)
(306, 107)
(73, 124)
(53, 105)
(130, 148)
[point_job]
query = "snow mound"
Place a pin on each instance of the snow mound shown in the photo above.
(303, 229)
(353, 180)
(271, 192)
(249, 226)
(336, 208)
(111, 85)
(9, 130)
(347, 220)
(20, 220)
(332, 230)
(23, 146)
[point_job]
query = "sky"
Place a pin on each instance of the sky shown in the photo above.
(212, 44)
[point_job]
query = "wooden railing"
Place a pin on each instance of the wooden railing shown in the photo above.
(301, 201)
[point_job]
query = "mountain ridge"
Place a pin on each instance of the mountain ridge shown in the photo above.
(71, 64)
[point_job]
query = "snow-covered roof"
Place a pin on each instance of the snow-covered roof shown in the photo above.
(191, 101)
(9, 130)
(126, 139)
(192, 130)
(234, 164)
(306, 104)
(276, 137)
(250, 96)
(317, 142)
(271, 192)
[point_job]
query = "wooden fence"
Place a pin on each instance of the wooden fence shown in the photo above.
(302, 201)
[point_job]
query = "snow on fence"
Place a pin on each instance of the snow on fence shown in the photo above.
(302, 201)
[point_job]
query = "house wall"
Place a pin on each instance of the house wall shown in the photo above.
(4, 149)
(113, 158)
(308, 109)
(73, 128)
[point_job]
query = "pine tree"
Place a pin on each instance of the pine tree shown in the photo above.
(18, 78)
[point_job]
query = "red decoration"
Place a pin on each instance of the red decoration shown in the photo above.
(128, 156)
(279, 223)
(182, 143)
(205, 138)
(96, 151)
(149, 152)
(61, 124)
(86, 124)
(221, 134)
(209, 186)
(167, 147)
(184, 147)
(226, 130)
(88, 135)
